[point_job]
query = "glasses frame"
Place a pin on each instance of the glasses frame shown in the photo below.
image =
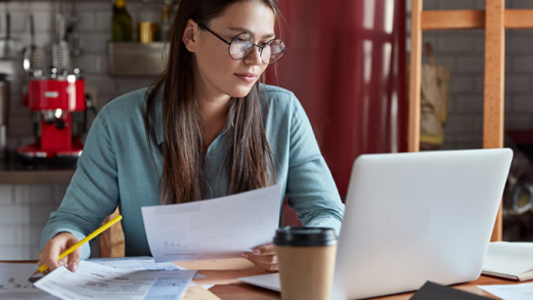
(253, 44)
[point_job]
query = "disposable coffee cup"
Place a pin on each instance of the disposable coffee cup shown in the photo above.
(306, 258)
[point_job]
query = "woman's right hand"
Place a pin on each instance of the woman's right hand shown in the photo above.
(57, 245)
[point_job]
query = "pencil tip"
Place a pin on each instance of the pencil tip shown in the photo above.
(33, 278)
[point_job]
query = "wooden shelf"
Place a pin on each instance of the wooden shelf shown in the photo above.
(494, 19)
(12, 172)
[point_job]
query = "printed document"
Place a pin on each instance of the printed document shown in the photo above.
(137, 263)
(14, 284)
(212, 229)
(94, 281)
(522, 291)
(140, 263)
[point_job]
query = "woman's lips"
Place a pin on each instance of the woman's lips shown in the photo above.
(248, 77)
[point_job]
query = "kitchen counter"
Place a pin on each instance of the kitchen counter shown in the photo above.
(13, 172)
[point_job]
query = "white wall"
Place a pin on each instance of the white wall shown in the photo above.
(25, 209)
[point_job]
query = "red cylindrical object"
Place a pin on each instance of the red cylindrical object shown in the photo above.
(56, 94)
(346, 64)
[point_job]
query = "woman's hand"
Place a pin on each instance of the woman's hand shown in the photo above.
(57, 245)
(264, 257)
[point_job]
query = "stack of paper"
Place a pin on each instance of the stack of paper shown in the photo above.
(142, 263)
(96, 281)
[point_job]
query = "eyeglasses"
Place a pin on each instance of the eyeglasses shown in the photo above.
(243, 44)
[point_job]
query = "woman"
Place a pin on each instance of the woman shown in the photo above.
(205, 129)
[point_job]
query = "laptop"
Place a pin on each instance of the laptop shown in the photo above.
(414, 217)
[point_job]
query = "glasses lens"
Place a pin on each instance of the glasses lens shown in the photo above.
(273, 51)
(241, 45)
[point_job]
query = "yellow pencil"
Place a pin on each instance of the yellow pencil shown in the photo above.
(85, 240)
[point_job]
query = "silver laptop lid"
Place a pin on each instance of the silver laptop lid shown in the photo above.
(413, 217)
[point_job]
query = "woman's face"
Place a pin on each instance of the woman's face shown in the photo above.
(216, 73)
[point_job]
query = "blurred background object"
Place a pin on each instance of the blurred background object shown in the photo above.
(4, 101)
(435, 93)
(121, 23)
(346, 63)
(518, 196)
(356, 102)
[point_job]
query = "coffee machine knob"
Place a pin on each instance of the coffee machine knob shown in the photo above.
(60, 124)
(53, 72)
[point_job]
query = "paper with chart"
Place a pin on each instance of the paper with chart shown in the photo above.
(94, 281)
(14, 284)
(212, 229)
(138, 263)
(522, 291)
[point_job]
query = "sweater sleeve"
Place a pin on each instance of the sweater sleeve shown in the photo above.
(311, 190)
(93, 192)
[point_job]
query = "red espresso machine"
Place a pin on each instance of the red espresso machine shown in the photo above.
(52, 100)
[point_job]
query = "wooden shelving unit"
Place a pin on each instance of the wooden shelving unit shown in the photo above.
(494, 19)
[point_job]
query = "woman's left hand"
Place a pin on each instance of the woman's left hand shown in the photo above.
(264, 257)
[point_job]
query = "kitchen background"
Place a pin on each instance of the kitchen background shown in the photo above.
(24, 209)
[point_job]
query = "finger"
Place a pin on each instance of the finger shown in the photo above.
(50, 255)
(74, 260)
(268, 267)
(265, 259)
(62, 261)
(264, 250)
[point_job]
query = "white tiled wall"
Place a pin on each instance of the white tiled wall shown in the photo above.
(24, 209)
(463, 51)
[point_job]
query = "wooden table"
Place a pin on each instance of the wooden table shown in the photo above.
(224, 274)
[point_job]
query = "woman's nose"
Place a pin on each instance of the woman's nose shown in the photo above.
(255, 56)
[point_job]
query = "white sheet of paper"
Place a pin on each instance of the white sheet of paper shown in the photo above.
(207, 286)
(212, 229)
(267, 281)
(170, 285)
(14, 284)
(522, 291)
(94, 281)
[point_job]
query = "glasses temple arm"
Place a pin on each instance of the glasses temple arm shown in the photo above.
(221, 38)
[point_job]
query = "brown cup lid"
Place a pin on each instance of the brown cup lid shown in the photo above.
(305, 236)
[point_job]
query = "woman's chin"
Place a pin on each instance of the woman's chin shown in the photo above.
(241, 92)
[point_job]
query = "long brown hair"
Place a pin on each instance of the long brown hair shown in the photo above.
(249, 160)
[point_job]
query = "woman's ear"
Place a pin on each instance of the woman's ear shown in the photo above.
(190, 35)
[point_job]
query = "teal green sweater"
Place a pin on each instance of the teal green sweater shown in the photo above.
(116, 169)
